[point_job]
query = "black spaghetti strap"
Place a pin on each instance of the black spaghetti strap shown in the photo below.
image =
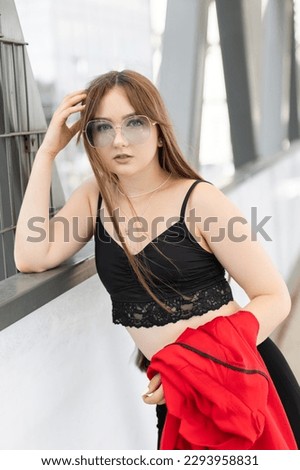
(183, 207)
(99, 203)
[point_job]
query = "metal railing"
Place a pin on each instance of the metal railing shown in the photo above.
(22, 128)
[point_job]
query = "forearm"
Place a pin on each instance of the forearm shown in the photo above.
(32, 231)
(270, 310)
(32, 240)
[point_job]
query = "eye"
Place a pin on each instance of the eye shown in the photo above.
(102, 126)
(135, 122)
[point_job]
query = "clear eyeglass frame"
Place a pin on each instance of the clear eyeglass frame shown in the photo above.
(132, 134)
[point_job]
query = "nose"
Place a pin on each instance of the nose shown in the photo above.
(119, 139)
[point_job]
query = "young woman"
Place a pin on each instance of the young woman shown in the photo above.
(161, 231)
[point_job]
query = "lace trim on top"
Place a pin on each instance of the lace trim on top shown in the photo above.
(148, 314)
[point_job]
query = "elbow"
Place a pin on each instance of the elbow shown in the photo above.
(285, 302)
(288, 304)
(27, 268)
(23, 266)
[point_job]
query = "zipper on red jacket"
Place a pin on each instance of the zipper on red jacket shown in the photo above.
(219, 361)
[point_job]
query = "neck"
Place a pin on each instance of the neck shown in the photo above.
(136, 185)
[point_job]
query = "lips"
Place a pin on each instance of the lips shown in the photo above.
(122, 156)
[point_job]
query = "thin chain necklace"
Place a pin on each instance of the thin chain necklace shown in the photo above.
(138, 217)
(148, 192)
(146, 208)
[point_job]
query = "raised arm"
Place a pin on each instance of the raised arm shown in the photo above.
(40, 243)
(242, 256)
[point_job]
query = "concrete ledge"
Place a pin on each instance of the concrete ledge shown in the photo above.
(23, 293)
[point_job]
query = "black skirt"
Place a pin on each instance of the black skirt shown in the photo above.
(284, 380)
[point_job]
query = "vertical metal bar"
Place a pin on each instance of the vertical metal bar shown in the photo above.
(9, 262)
(27, 127)
(1, 34)
(181, 76)
(2, 263)
(9, 179)
(2, 122)
(21, 110)
(14, 82)
(232, 41)
(7, 168)
(1, 204)
(12, 140)
(5, 218)
(293, 117)
(4, 87)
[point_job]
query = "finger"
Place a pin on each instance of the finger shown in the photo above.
(154, 386)
(155, 398)
(70, 101)
(75, 93)
(65, 113)
(75, 109)
(75, 99)
(154, 383)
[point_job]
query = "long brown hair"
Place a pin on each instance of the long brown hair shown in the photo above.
(146, 100)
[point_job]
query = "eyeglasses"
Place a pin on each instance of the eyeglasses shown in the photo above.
(135, 129)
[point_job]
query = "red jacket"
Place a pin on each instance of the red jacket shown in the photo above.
(218, 391)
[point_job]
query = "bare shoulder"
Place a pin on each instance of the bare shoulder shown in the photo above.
(205, 188)
(209, 200)
(215, 215)
(89, 189)
(180, 184)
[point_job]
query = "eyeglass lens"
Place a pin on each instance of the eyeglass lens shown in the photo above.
(135, 129)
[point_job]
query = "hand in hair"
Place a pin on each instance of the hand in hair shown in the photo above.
(59, 133)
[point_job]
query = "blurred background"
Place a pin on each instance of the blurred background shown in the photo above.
(79, 43)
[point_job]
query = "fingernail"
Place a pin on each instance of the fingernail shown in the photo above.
(147, 393)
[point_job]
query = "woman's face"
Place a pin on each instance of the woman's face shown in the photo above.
(122, 156)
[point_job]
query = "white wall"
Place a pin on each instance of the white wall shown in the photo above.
(68, 379)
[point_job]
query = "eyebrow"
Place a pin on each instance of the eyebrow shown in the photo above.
(123, 117)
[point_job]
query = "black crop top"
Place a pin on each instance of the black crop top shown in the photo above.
(196, 273)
